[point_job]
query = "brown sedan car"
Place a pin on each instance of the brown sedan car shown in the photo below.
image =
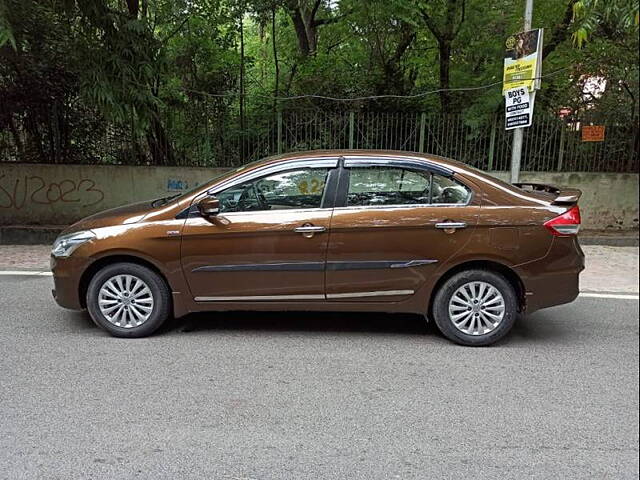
(330, 231)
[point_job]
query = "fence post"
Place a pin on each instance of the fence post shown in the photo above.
(632, 150)
(351, 128)
(561, 149)
(492, 142)
(279, 122)
(423, 121)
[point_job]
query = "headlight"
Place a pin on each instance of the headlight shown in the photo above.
(66, 244)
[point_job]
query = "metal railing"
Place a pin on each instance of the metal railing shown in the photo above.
(550, 144)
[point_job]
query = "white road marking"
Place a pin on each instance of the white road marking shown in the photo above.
(25, 273)
(618, 296)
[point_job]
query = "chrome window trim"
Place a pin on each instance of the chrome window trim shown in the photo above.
(192, 213)
(351, 161)
(284, 210)
(288, 165)
(404, 205)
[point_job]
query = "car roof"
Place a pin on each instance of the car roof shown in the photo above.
(364, 154)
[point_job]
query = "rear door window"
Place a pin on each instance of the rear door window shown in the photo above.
(370, 186)
(374, 186)
(447, 191)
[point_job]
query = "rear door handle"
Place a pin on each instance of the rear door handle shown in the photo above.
(309, 229)
(451, 225)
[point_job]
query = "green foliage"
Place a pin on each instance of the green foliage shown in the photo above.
(613, 17)
(158, 81)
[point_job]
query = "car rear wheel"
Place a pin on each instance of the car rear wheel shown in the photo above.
(475, 307)
(128, 300)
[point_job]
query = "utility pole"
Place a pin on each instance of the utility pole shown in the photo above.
(243, 126)
(516, 146)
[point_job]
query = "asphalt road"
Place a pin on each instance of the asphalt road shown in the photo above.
(313, 396)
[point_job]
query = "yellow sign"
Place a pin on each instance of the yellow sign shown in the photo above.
(520, 74)
(522, 61)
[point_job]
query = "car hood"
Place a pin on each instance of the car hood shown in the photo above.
(124, 215)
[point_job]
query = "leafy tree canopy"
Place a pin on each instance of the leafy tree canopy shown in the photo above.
(160, 72)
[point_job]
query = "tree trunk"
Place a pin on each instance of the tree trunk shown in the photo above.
(312, 37)
(16, 136)
(444, 52)
(133, 6)
(158, 141)
(301, 32)
(305, 23)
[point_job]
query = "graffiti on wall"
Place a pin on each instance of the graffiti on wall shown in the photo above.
(175, 185)
(26, 190)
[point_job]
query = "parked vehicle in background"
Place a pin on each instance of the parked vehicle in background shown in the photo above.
(330, 231)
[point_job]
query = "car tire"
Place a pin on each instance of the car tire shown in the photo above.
(128, 300)
(466, 308)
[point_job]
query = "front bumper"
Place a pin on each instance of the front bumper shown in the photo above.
(67, 274)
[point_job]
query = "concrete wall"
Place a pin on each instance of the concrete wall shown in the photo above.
(62, 194)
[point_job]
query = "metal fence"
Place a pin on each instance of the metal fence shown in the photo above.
(550, 144)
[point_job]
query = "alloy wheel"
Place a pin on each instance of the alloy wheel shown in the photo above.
(125, 301)
(476, 308)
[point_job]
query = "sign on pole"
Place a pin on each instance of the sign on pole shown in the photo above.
(523, 60)
(518, 108)
(522, 49)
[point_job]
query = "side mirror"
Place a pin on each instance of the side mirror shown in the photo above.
(209, 206)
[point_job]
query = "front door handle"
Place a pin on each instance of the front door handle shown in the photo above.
(451, 225)
(307, 230)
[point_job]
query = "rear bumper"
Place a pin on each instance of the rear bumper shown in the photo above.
(566, 288)
(555, 279)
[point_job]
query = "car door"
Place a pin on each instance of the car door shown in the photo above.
(393, 224)
(269, 240)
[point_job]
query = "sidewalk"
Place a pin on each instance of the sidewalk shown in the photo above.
(608, 269)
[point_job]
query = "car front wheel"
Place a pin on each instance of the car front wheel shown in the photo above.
(475, 307)
(128, 300)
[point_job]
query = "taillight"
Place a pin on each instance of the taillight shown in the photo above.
(566, 224)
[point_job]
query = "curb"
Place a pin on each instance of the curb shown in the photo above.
(45, 235)
(25, 235)
(610, 241)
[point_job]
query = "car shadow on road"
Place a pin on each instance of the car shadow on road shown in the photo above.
(401, 324)
(541, 327)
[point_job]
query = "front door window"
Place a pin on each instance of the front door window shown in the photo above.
(279, 191)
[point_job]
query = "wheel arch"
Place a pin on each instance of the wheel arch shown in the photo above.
(102, 262)
(491, 265)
